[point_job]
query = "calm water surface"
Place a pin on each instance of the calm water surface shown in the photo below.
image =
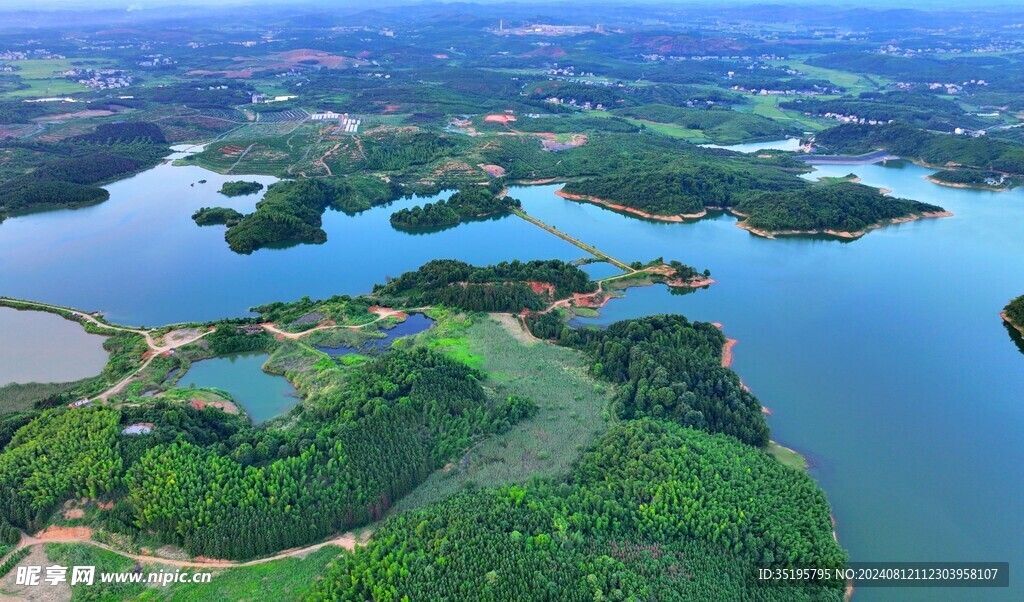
(262, 395)
(41, 347)
(141, 259)
(789, 144)
(884, 359)
(414, 324)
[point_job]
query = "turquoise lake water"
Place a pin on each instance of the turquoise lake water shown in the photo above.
(263, 396)
(883, 359)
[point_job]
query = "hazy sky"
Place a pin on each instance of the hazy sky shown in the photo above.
(141, 4)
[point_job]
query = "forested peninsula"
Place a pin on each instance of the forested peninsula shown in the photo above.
(674, 494)
(842, 209)
(507, 286)
(768, 201)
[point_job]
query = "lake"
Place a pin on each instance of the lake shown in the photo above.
(263, 396)
(141, 259)
(884, 359)
(42, 347)
(789, 144)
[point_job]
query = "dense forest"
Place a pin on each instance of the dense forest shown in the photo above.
(291, 211)
(841, 207)
(684, 191)
(653, 512)
(918, 109)
(68, 174)
(668, 368)
(935, 149)
(464, 205)
(506, 286)
(367, 437)
(240, 188)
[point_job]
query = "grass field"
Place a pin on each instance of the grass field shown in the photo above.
(42, 77)
(286, 579)
(787, 456)
(572, 413)
(768, 106)
(17, 397)
(853, 83)
(695, 136)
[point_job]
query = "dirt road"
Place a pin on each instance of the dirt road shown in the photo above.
(83, 535)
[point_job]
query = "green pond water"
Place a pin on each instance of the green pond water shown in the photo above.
(45, 348)
(883, 359)
(263, 396)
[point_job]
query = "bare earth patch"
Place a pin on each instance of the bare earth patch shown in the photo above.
(44, 592)
(495, 171)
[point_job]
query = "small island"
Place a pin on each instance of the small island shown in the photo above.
(240, 188)
(464, 205)
(211, 216)
(1013, 314)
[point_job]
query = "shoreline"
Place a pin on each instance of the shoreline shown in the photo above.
(727, 352)
(1018, 327)
(965, 185)
(617, 207)
(836, 233)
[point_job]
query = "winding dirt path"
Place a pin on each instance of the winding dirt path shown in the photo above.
(381, 315)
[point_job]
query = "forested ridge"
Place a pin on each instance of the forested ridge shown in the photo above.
(841, 207)
(917, 109)
(654, 511)
(464, 205)
(686, 190)
(720, 125)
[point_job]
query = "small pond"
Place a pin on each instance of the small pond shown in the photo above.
(263, 396)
